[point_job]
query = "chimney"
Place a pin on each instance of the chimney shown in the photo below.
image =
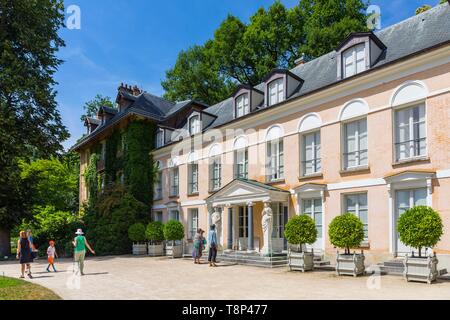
(135, 91)
(301, 60)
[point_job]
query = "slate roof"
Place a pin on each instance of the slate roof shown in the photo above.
(408, 37)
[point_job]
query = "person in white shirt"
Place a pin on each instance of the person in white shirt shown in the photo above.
(51, 254)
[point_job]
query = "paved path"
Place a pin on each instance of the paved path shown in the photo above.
(128, 277)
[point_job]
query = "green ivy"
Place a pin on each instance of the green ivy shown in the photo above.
(113, 163)
(92, 179)
(138, 162)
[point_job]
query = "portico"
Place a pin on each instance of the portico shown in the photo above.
(242, 202)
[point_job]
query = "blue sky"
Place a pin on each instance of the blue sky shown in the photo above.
(136, 41)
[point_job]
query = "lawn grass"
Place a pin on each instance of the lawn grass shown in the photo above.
(17, 289)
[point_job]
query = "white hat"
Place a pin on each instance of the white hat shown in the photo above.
(79, 231)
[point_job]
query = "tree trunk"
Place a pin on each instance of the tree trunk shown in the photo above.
(420, 252)
(5, 243)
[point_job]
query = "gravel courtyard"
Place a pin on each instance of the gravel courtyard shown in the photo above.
(127, 277)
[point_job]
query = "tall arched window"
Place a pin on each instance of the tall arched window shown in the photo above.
(192, 174)
(310, 145)
(275, 154)
(240, 158)
(215, 168)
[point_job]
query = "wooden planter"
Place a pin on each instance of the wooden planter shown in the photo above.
(303, 261)
(350, 264)
(155, 250)
(420, 269)
(139, 248)
(174, 251)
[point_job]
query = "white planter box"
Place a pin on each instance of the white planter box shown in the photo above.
(155, 250)
(303, 261)
(139, 248)
(350, 264)
(420, 269)
(174, 251)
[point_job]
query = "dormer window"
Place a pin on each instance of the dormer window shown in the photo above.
(194, 125)
(159, 138)
(242, 105)
(354, 60)
(276, 91)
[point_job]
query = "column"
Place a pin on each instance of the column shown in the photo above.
(250, 245)
(230, 228)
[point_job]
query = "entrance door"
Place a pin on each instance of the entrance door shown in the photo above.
(313, 208)
(279, 220)
(243, 227)
(405, 199)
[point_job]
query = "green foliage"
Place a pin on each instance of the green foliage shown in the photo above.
(30, 123)
(108, 222)
(155, 232)
(136, 232)
(300, 230)
(274, 38)
(346, 231)
(91, 107)
(419, 227)
(442, 1)
(196, 77)
(423, 8)
(138, 168)
(92, 179)
(53, 182)
(113, 163)
(173, 230)
(49, 223)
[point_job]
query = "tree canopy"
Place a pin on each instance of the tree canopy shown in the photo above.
(30, 123)
(91, 107)
(243, 53)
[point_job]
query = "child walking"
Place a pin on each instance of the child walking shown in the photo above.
(51, 254)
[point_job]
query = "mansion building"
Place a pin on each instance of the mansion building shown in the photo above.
(363, 129)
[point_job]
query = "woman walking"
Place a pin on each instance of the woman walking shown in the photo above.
(80, 243)
(199, 244)
(212, 241)
(24, 254)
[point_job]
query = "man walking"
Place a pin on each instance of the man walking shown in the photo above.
(80, 243)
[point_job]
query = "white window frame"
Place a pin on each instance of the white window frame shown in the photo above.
(194, 124)
(158, 216)
(192, 222)
(174, 214)
(358, 149)
(275, 91)
(215, 173)
(413, 148)
(354, 60)
(192, 178)
(174, 182)
(357, 209)
(158, 195)
(313, 212)
(159, 138)
(241, 174)
(275, 171)
(242, 105)
(316, 160)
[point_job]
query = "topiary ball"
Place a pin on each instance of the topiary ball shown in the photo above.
(155, 231)
(136, 232)
(346, 231)
(300, 229)
(173, 230)
(419, 227)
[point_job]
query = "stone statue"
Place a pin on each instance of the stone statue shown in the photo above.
(216, 219)
(266, 221)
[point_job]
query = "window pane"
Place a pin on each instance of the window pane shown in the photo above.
(420, 197)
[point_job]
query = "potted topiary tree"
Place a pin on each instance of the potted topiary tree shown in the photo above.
(136, 233)
(347, 231)
(174, 232)
(298, 231)
(420, 227)
(155, 235)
